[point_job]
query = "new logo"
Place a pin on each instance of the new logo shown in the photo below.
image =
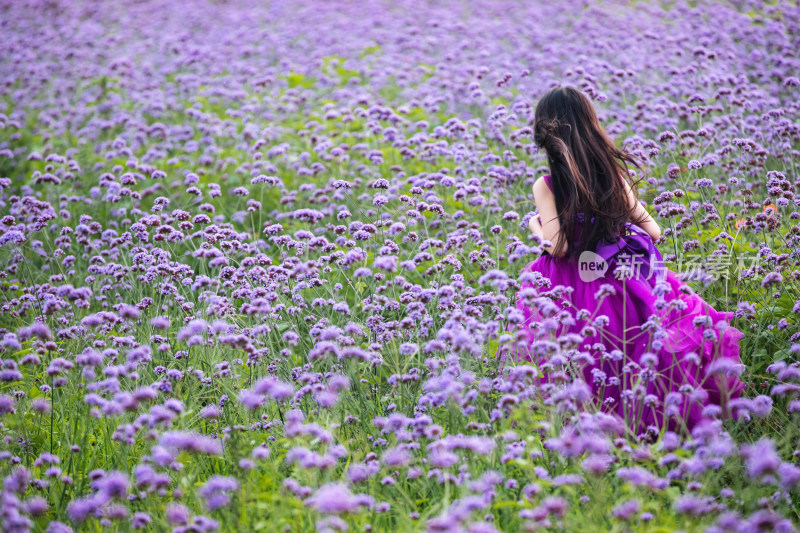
(591, 266)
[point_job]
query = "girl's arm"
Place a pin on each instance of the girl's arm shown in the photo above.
(649, 225)
(549, 229)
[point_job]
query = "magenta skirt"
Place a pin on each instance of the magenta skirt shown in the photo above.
(651, 350)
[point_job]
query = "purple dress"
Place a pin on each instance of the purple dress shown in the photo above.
(652, 351)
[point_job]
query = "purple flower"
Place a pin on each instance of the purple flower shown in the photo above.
(555, 505)
(761, 406)
(597, 464)
(140, 520)
(36, 506)
(177, 514)
(334, 498)
(386, 263)
(626, 509)
(6, 405)
(194, 328)
(191, 442)
(11, 342)
(211, 411)
(215, 491)
(693, 505)
(251, 400)
(442, 458)
(37, 329)
(772, 278)
(761, 459)
(358, 472)
(260, 452)
(638, 476)
(396, 457)
(58, 527)
(160, 322)
(130, 312)
(79, 510)
(790, 475)
(113, 485)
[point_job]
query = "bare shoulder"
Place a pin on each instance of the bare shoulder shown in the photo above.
(540, 187)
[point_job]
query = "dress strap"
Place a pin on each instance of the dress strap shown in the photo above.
(548, 179)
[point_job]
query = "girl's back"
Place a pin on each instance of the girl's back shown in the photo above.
(648, 340)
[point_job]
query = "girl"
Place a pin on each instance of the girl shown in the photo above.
(653, 351)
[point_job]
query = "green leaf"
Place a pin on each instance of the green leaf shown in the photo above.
(360, 286)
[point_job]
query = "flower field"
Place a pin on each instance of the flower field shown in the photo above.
(260, 264)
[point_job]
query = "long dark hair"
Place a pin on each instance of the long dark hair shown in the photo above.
(585, 166)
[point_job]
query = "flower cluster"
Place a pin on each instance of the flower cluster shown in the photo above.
(260, 267)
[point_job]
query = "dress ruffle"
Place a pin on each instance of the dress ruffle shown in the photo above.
(666, 354)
